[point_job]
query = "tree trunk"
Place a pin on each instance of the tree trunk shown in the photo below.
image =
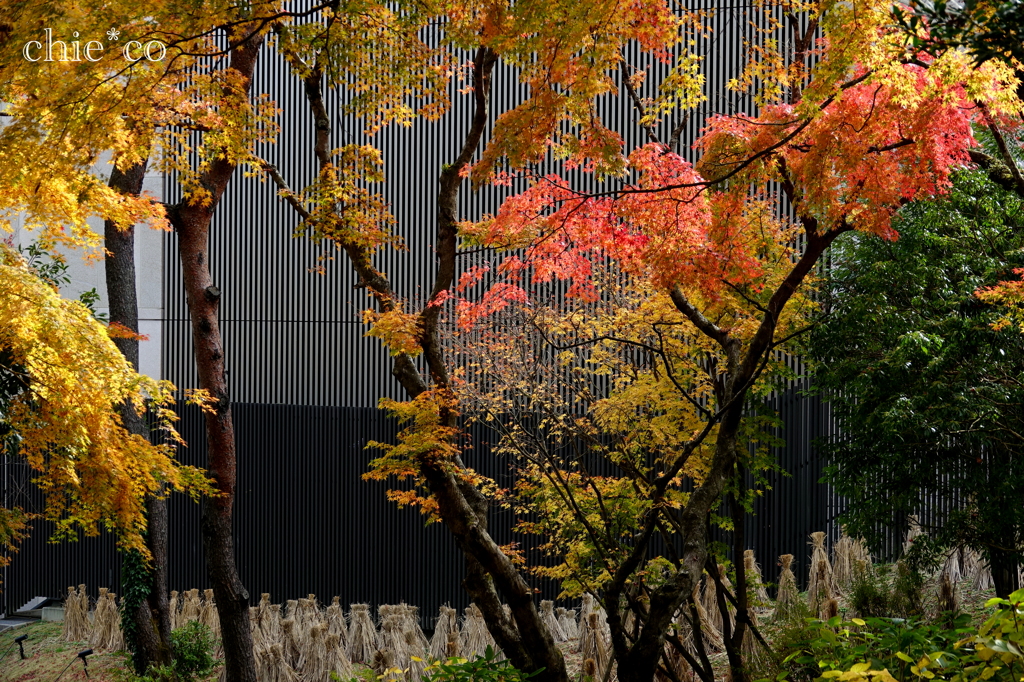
(152, 640)
(491, 576)
(1004, 572)
(191, 222)
(638, 663)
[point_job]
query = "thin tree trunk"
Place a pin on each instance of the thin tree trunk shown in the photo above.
(491, 576)
(734, 644)
(191, 222)
(152, 645)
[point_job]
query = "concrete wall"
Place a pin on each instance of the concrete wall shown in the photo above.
(149, 249)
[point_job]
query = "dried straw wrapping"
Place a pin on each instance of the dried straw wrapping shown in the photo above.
(757, 593)
(567, 622)
(788, 595)
(76, 617)
(547, 614)
(336, 659)
(474, 638)
(362, 634)
(446, 626)
(821, 585)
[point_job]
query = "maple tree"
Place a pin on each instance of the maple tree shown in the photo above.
(682, 285)
(63, 380)
(874, 127)
(194, 114)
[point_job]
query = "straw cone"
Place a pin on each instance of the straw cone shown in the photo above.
(757, 593)
(788, 595)
(821, 585)
(362, 634)
(447, 624)
(547, 614)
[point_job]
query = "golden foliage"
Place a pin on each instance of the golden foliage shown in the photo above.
(64, 420)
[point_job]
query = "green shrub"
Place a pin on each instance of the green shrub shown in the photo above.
(870, 594)
(484, 668)
(192, 649)
(888, 591)
(910, 650)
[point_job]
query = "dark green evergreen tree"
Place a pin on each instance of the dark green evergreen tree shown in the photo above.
(929, 395)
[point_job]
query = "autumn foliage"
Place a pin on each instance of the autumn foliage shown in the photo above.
(61, 417)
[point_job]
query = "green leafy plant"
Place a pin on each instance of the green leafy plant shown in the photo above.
(486, 668)
(192, 647)
(907, 650)
(893, 644)
(53, 268)
(193, 651)
(870, 593)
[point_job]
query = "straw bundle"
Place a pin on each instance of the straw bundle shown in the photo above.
(672, 659)
(278, 668)
(454, 648)
(383, 660)
(102, 620)
(953, 566)
(446, 625)
(547, 614)
(258, 640)
(977, 570)
(76, 617)
(591, 605)
(842, 561)
(412, 624)
(709, 601)
(757, 592)
(106, 631)
(913, 532)
(175, 606)
(291, 647)
(474, 638)
(335, 620)
(362, 634)
(261, 662)
(712, 636)
(586, 608)
(313, 662)
(829, 608)
(262, 612)
(712, 613)
(788, 593)
(751, 648)
(567, 621)
(302, 622)
(83, 605)
(271, 625)
(947, 601)
(393, 641)
(308, 615)
(336, 659)
(290, 609)
(191, 608)
(314, 613)
(208, 614)
(592, 645)
(821, 585)
(417, 654)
